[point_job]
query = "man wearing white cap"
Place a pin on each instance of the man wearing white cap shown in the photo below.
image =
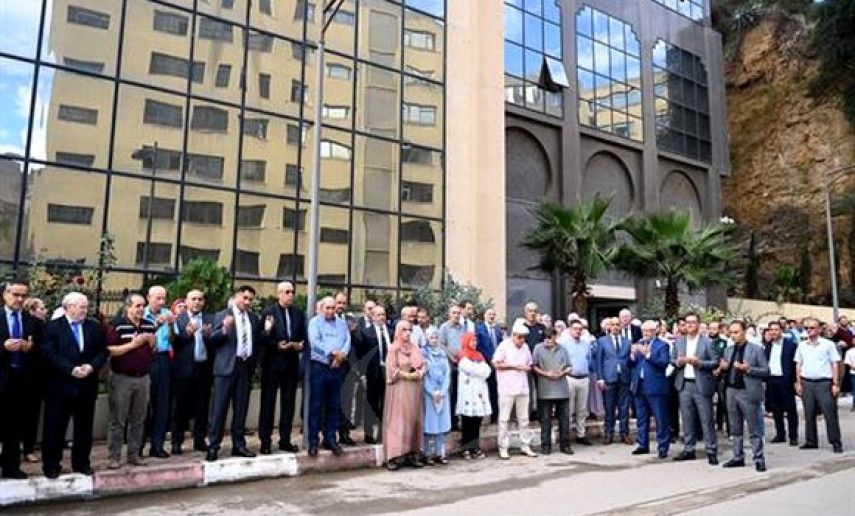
(513, 363)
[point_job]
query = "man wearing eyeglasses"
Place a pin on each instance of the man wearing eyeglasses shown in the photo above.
(818, 383)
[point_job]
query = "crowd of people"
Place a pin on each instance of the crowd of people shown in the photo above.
(408, 382)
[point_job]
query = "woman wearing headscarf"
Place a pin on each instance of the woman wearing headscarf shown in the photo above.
(437, 406)
(403, 416)
(473, 396)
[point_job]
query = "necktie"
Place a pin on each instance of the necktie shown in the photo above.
(16, 360)
(617, 345)
(381, 337)
(200, 354)
(641, 371)
(287, 324)
(77, 335)
(492, 332)
(244, 336)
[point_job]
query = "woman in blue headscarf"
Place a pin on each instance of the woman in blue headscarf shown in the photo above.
(437, 407)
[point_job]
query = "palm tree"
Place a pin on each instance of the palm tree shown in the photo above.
(665, 246)
(579, 242)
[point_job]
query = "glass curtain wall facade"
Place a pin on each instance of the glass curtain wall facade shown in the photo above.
(183, 129)
(692, 9)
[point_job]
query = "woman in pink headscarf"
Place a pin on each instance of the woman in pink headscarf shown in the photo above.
(403, 412)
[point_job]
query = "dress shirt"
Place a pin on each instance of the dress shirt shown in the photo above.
(200, 353)
(816, 358)
(328, 336)
(580, 356)
(775, 368)
(382, 343)
(735, 378)
(163, 330)
(691, 350)
(510, 381)
(77, 329)
(451, 335)
(15, 358)
(244, 331)
(616, 344)
(627, 332)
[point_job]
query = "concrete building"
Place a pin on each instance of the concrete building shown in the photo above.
(183, 128)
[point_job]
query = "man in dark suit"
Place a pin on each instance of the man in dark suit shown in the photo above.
(74, 349)
(284, 338)
(629, 331)
(694, 359)
(781, 394)
(648, 360)
(192, 370)
(351, 381)
(743, 368)
(237, 342)
(489, 336)
(19, 363)
(613, 378)
(371, 352)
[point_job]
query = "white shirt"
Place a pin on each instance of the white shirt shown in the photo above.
(382, 337)
(816, 358)
(775, 359)
(691, 350)
(243, 327)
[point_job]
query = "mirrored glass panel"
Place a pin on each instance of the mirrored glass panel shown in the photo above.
(16, 86)
(421, 250)
(207, 225)
(380, 32)
(374, 249)
(265, 231)
(83, 35)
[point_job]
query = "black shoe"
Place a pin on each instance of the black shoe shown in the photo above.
(734, 463)
(336, 449)
(794, 442)
(86, 470)
(313, 451)
(663, 455)
(176, 449)
(160, 454)
(392, 465)
(211, 456)
(288, 447)
(370, 440)
(584, 440)
(686, 455)
(807, 446)
(346, 440)
(760, 465)
(567, 450)
(712, 459)
(17, 474)
(265, 449)
(242, 452)
(51, 473)
(778, 439)
(641, 451)
(200, 446)
(837, 448)
(546, 450)
(415, 462)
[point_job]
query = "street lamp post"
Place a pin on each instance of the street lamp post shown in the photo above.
(832, 267)
(331, 7)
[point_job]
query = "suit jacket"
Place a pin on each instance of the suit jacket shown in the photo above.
(30, 327)
(184, 347)
(62, 354)
(226, 344)
(635, 333)
(485, 343)
(706, 353)
(788, 366)
(367, 351)
(273, 358)
(608, 359)
(759, 369)
(655, 382)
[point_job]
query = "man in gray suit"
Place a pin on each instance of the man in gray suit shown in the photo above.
(744, 366)
(694, 359)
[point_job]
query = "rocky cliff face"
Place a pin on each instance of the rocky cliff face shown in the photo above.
(782, 142)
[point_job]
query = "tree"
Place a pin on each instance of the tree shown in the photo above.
(205, 275)
(666, 247)
(437, 303)
(579, 242)
(834, 42)
(751, 283)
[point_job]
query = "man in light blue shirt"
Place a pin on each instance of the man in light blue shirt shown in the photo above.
(329, 338)
(581, 358)
(160, 373)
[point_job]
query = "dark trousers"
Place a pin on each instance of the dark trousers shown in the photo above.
(470, 433)
(324, 401)
(191, 399)
(33, 401)
(452, 397)
(158, 413)
(818, 395)
(781, 401)
(616, 399)
(657, 406)
(562, 410)
(235, 388)
(493, 390)
(12, 425)
(673, 404)
(58, 412)
(284, 383)
(375, 395)
(721, 418)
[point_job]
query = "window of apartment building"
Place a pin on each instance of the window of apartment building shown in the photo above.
(337, 195)
(170, 22)
(75, 158)
(77, 114)
(417, 155)
(158, 253)
(294, 219)
(300, 52)
(295, 135)
(336, 112)
(412, 191)
(335, 236)
(416, 274)
(260, 42)
(291, 264)
(420, 40)
(265, 6)
(608, 74)
(161, 207)
(681, 102)
(224, 73)
(163, 159)
(417, 231)
(339, 71)
(217, 30)
(256, 127)
(210, 118)
(203, 212)
(250, 216)
(162, 113)
(298, 92)
(304, 9)
(246, 262)
(253, 170)
(86, 66)
(418, 114)
(89, 17)
(533, 39)
(293, 175)
(188, 253)
(163, 64)
(64, 214)
(693, 9)
(334, 150)
(205, 166)
(264, 85)
(345, 17)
